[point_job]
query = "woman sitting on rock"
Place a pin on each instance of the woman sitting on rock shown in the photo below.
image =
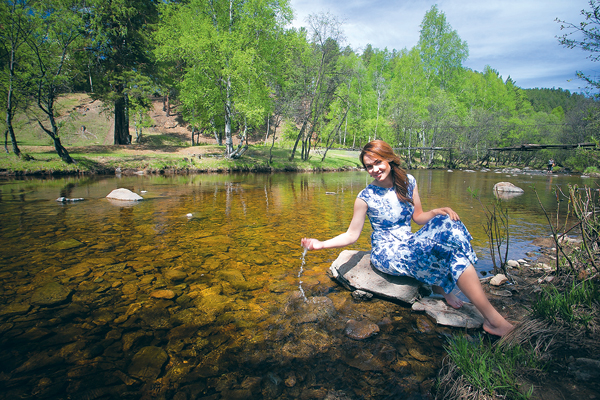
(439, 254)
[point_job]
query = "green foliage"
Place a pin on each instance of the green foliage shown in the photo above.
(592, 170)
(546, 100)
(575, 306)
(442, 50)
(581, 158)
(493, 370)
(290, 130)
(228, 54)
(228, 73)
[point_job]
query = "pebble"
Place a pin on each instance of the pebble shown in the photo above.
(360, 330)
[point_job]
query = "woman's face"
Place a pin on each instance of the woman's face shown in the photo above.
(379, 169)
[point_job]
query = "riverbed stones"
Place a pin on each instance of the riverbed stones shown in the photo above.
(353, 270)
(163, 294)
(465, 317)
(147, 363)
(51, 294)
(315, 309)
(123, 194)
(360, 330)
(14, 309)
(175, 275)
(67, 244)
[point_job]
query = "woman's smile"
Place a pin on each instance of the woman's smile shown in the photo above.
(380, 170)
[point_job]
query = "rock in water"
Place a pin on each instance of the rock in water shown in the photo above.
(465, 317)
(51, 294)
(506, 190)
(147, 363)
(354, 271)
(124, 195)
(360, 330)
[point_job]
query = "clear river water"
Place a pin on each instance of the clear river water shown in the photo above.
(201, 290)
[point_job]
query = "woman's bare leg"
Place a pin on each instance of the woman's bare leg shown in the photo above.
(451, 298)
(494, 323)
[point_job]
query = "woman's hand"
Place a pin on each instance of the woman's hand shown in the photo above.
(311, 244)
(446, 211)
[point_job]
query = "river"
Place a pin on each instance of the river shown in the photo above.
(194, 292)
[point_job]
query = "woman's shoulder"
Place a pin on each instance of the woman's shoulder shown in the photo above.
(411, 179)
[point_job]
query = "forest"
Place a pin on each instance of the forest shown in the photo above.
(237, 69)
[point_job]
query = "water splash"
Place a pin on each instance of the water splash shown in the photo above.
(300, 274)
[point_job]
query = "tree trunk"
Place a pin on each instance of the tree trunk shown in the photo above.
(121, 130)
(268, 128)
(300, 134)
(11, 132)
(330, 139)
(10, 108)
(218, 137)
(60, 149)
(62, 152)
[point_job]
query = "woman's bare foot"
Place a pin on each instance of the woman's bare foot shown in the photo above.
(501, 329)
(451, 299)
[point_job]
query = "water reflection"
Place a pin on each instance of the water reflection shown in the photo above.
(103, 301)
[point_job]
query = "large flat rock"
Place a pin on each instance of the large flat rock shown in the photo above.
(353, 270)
(465, 317)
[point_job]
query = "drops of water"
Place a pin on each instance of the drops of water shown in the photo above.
(300, 273)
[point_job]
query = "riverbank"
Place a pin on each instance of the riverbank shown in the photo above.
(145, 159)
(568, 351)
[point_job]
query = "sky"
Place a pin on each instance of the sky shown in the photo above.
(517, 38)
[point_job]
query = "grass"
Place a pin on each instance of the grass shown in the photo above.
(575, 306)
(482, 370)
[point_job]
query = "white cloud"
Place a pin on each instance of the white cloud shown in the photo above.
(516, 38)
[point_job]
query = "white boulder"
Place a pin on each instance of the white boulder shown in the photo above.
(124, 195)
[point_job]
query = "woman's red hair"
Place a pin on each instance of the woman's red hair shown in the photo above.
(380, 150)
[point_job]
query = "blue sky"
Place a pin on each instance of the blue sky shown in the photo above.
(516, 38)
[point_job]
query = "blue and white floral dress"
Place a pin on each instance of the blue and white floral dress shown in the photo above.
(437, 254)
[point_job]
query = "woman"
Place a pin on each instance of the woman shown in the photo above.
(439, 254)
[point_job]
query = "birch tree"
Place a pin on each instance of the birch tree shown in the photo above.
(225, 47)
(16, 26)
(58, 31)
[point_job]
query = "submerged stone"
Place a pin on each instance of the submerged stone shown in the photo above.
(14, 309)
(465, 317)
(51, 294)
(175, 275)
(66, 244)
(163, 294)
(147, 363)
(360, 330)
(353, 270)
